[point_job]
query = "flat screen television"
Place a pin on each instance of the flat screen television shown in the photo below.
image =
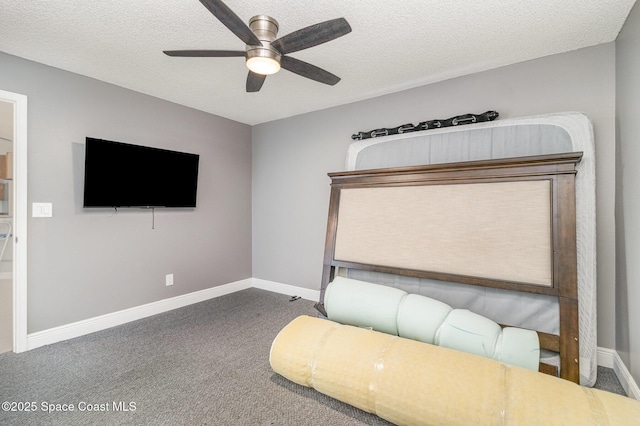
(119, 174)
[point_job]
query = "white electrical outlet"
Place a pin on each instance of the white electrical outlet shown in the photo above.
(169, 279)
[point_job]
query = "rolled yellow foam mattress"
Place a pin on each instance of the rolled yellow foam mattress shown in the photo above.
(413, 383)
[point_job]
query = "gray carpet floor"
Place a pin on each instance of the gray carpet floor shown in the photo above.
(205, 364)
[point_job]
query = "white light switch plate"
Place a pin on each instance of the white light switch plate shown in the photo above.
(42, 210)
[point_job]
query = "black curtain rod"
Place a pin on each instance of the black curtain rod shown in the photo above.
(428, 125)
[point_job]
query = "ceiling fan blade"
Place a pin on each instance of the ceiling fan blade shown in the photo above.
(255, 81)
(307, 70)
(231, 21)
(205, 53)
(312, 36)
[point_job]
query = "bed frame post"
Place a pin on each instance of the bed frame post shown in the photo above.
(328, 270)
(567, 277)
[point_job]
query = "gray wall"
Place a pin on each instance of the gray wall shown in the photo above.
(291, 157)
(83, 263)
(627, 195)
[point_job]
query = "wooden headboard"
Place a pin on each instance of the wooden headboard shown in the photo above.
(506, 223)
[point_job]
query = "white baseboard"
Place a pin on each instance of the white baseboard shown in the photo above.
(610, 359)
(102, 322)
(291, 290)
(605, 357)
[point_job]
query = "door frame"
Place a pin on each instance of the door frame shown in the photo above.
(19, 218)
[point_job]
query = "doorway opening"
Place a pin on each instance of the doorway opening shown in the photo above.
(13, 222)
(6, 221)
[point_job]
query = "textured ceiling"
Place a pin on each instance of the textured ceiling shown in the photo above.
(394, 45)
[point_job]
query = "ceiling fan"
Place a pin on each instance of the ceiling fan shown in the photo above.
(264, 53)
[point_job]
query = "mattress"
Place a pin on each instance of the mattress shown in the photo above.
(538, 135)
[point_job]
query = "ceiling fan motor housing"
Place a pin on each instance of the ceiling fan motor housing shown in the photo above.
(266, 29)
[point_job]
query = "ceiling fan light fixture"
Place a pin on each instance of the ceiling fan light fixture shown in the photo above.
(263, 59)
(263, 65)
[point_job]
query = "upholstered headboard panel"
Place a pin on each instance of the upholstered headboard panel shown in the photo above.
(473, 229)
